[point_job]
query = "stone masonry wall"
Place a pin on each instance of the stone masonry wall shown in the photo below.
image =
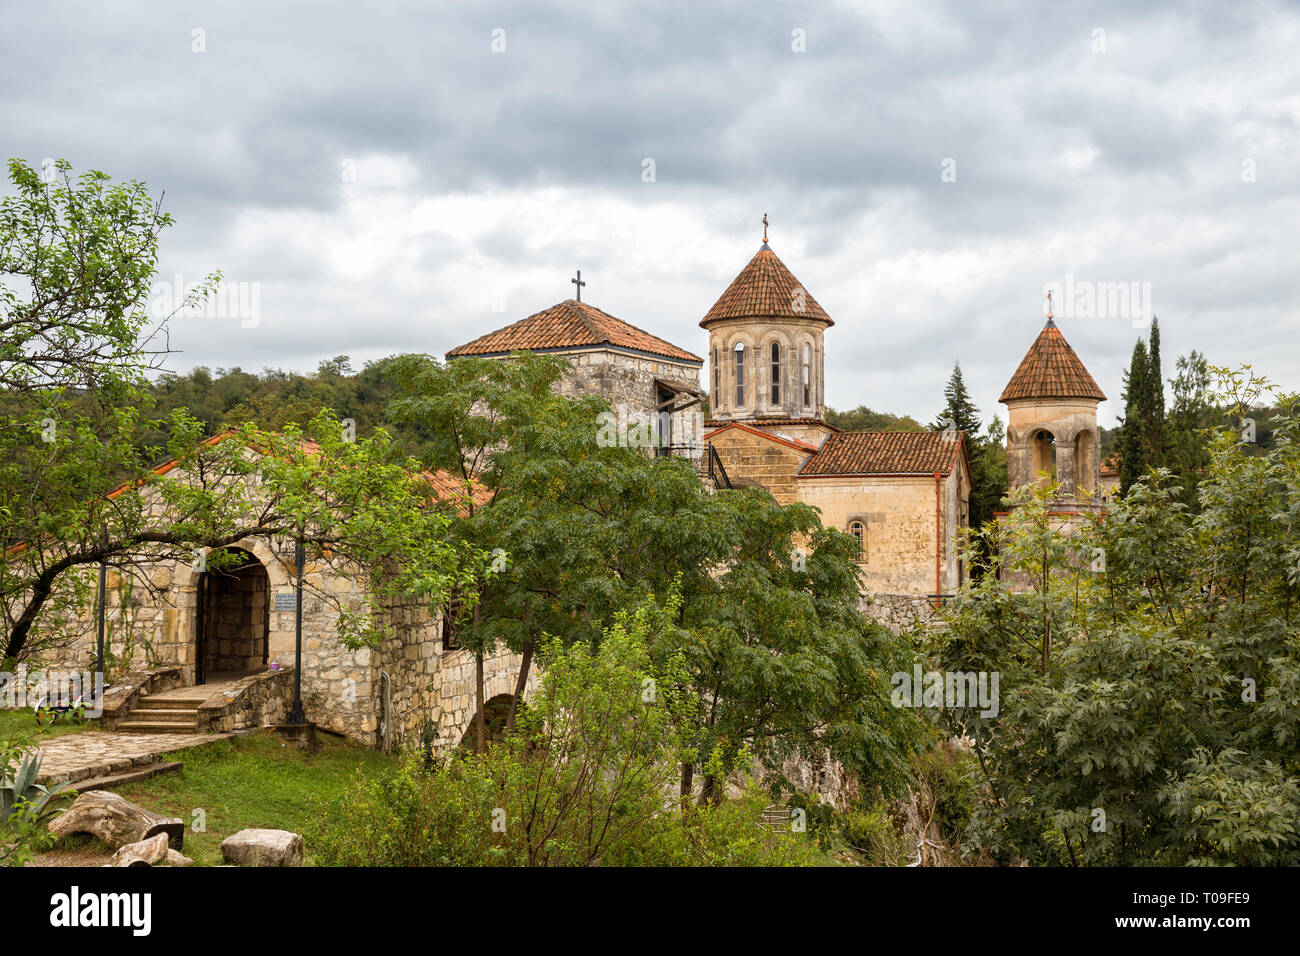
(899, 516)
(899, 612)
(629, 381)
(428, 683)
(756, 460)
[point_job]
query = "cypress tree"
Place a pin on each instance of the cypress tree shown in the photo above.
(1154, 404)
(1132, 444)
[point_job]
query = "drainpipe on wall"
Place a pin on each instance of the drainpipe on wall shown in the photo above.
(938, 539)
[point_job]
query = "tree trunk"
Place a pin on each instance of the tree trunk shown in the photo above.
(709, 791)
(116, 821)
(687, 785)
(480, 718)
(520, 685)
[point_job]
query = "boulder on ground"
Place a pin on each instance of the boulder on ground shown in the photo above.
(176, 858)
(256, 847)
(144, 853)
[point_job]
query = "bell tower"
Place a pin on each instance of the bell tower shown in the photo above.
(766, 354)
(1052, 418)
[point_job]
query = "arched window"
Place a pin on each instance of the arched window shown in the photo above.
(776, 373)
(716, 396)
(740, 373)
(859, 531)
(807, 376)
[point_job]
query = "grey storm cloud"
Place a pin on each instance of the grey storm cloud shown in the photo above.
(508, 170)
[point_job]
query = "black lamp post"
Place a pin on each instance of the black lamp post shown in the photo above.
(296, 714)
(99, 626)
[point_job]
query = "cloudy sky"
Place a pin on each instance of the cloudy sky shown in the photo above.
(386, 177)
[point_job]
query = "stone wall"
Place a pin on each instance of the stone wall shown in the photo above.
(899, 612)
(898, 513)
(420, 682)
(752, 458)
(627, 382)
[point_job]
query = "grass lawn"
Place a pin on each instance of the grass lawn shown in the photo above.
(17, 724)
(253, 781)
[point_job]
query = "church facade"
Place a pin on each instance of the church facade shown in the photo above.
(903, 495)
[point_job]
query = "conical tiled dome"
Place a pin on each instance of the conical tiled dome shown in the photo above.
(765, 287)
(1050, 369)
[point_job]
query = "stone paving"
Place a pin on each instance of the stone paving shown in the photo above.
(95, 753)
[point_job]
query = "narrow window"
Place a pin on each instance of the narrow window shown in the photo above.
(716, 396)
(776, 373)
(807, 376)
(740, 374)
(859, 531)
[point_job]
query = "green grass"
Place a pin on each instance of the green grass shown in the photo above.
(18, 724)
(253, 781)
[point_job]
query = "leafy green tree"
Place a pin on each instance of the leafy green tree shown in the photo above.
(1191, 416)
(360, 509)
(76, 259)
(1149, 679)
(772, 637)
(580, 781)
(863, 419)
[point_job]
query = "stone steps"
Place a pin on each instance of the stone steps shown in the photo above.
(159, 726)
(109, 781)
(163, 714)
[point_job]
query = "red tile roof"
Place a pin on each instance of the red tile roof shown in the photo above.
(765, 422)
(571, 324)
(765, 287)
(885, 453)
(1050, 369)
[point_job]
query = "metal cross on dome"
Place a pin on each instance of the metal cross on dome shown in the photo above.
(765, 227)
(579, 283)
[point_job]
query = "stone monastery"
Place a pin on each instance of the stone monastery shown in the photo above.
(209, 649)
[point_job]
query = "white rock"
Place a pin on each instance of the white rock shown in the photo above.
(256, 847)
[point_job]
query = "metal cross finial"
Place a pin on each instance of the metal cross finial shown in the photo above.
(579, 283)
(765, 227)
(1049, 306)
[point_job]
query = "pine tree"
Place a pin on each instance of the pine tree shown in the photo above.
(960, 412)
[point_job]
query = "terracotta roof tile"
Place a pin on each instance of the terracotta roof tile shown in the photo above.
(1050, 369)
(884, 453)
(570, 324)
(765, 287)
(763, 422)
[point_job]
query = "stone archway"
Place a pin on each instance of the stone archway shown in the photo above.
(495, 711)
(1042, 452)
(232, 620)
